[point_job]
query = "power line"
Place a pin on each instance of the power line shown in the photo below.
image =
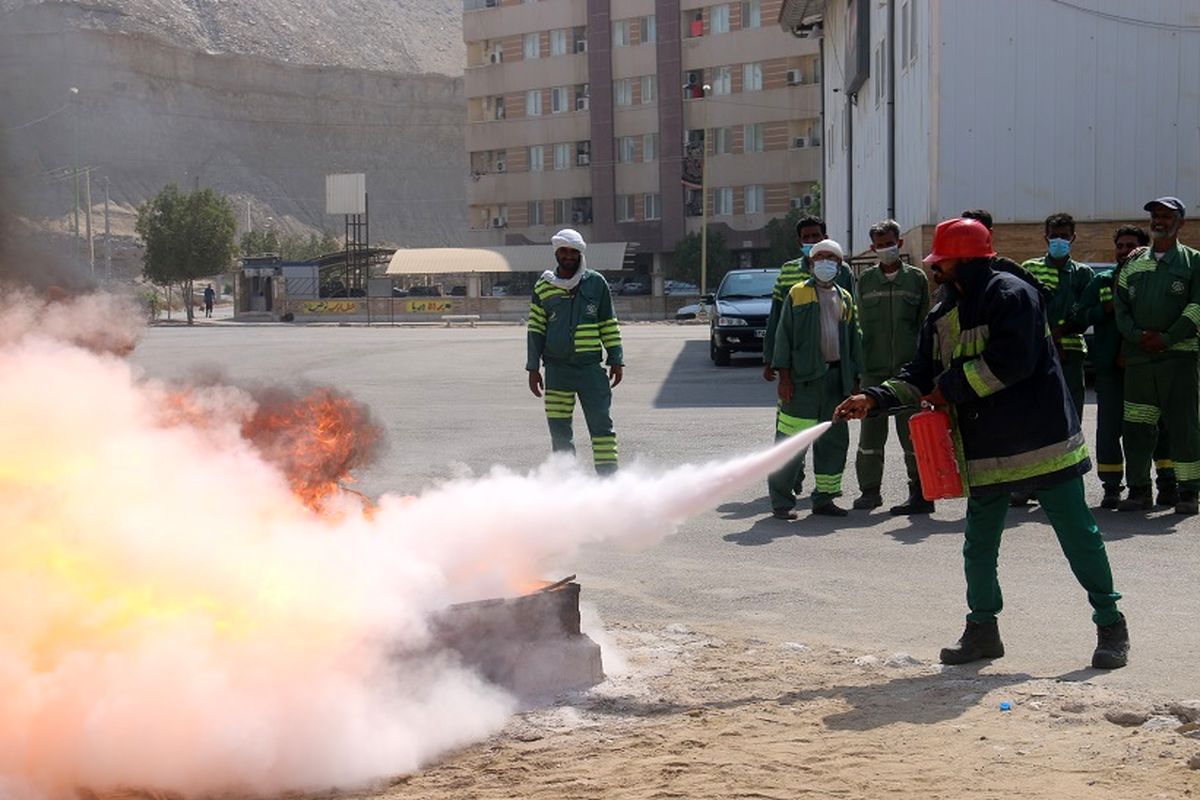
(1143, 23)
(33, 122)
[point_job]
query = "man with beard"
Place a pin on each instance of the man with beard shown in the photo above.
(1158, 313)
(571, 324)
(985, 351)
(1096, 309)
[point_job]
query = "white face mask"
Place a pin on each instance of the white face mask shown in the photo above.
(888, 255)
(825, 270)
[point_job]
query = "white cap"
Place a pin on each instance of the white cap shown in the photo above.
(826, 246)
(568, 237)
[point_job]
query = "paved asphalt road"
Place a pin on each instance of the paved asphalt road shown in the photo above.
(869, 582)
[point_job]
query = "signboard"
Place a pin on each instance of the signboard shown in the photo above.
(428, 306)
(330, 307)
(346, 194)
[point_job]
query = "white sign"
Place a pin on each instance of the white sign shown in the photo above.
(346, 194)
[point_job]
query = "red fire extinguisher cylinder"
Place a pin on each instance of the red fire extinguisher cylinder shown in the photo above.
(933, 446)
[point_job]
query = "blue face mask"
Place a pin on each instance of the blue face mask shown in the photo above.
(806, 249)
(825, 270)
(1059, 248)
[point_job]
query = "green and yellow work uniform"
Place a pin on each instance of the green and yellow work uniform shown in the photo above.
(1066, 285)
(569, 331)
(1096, 309)
(890, 313)
(1162, 295)
(824, 365)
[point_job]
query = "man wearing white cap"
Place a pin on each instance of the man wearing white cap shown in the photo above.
(571, 324)
(818, 352)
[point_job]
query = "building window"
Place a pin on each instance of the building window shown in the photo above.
(625, 208)
(722, 80)
(562, 212)
(533, 45)
(695, 23)
(754, 136)
(497, 108)
(580, 35)
(722, 141)
(533, 103)
(752, 77)
(560, 100)
(562, 156)
(534, 212)
(622, 30)
(649, 29)
(751, 14)
(722, 201)
(649, 147)
(537, 158)
(623, 92)
(558, 43)
(720, 19)
(653, 204)
(649, 88)
(904, 23)
(912, 34)
(583, 153)
(754, 199)
(880, 72)
(626, 149)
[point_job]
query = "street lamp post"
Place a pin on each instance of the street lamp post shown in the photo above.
(704, 189)
(75, 161)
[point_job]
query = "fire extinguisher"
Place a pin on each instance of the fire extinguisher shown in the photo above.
(933, 446)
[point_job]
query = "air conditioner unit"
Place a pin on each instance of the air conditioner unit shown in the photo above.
(576, 217)
(581, 46)
(581, 103)
(494, 58)
(814, 142)
(499, 222)
(500, 112)
(583, 159)
(796, 202)
(800, 141)
(806, 201)
(795, 77)
(501, 166)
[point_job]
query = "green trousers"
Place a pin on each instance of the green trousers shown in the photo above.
(1072, 367)
(872, 436)
(1110, 411)
(812, 402)
(1167, 392)
(588, 382)
(1078, 536)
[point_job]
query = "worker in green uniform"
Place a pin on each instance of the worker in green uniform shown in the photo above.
(571, 321)
(893, 299)
(818, 350)
(1096, 309)
(1158, 314)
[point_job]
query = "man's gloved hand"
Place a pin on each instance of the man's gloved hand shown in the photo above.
(936, 398)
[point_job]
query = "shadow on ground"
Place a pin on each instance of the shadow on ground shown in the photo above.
(695, 382)
(766, 529)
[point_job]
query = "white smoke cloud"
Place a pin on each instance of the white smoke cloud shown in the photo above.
(176, 619)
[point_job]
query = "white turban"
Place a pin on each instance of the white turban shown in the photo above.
(826, 246)
(568, 237)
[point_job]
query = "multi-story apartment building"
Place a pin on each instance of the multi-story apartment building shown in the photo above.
(581, 112)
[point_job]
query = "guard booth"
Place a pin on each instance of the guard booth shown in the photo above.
(255, 284)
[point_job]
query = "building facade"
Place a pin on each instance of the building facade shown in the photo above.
(581, 114)
(1024, 108)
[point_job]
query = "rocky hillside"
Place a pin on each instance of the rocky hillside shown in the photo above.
(410, 36)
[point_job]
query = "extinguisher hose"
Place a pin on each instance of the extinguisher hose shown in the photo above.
(894, 410)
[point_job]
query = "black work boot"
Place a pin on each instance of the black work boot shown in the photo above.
(1187, 503)
(979, 640)
(1112, 645)
(1168, 493)
(1112, 496)
(1139, 499)
(915, 504)
(829, 509)
(868, 500)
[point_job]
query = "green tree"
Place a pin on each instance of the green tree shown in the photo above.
(685, 264)
(255, 243)
(781, 240)
(817, 208)
(302, 248)
(188, 235)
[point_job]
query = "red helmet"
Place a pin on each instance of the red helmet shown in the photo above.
(960, 238)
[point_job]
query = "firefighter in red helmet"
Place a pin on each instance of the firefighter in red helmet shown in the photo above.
(986, 353)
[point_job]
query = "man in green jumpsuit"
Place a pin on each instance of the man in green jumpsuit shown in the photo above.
(817, 352)
(1158, 313)
(571, 321)
(1096, 309)
(893, 299)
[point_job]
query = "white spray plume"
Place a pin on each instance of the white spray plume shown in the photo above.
(176, 619)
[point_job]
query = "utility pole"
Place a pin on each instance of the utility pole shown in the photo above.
(704, 191)
(107, 235)
(75, 161)
(87, 198)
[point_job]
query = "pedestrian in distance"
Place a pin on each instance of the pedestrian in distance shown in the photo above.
(1097, 310)
(893, 299)
(985, 352)
(571, 326)
(209, 297)
(818, 350)
(1157, 309)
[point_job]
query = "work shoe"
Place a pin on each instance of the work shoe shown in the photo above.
(784, 514)
(1112, 497)
(979, 640)
(915, 504)
(1168, 495)
(830, 509)
(1112, 645)
(1187, 504)
(1138, 500)
(867, 501)
(1020, 499)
